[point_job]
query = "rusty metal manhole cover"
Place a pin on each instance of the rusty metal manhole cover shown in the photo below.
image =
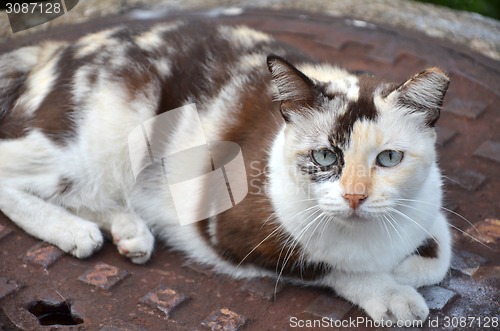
(107, 292)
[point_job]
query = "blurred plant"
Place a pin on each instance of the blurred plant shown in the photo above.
(489, 8)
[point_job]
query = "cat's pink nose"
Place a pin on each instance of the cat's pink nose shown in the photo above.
(354, 200)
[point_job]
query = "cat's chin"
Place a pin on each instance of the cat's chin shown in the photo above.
(345, 216)
(355, 218)
(349, 217)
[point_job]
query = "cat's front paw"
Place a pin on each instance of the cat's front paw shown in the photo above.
(82, 240)
(401, 304)
(134, 241)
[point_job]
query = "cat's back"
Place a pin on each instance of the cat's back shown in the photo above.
(54, 86)
(66, 108)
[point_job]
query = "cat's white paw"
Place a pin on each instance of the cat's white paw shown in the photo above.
(400, 304)
(133, 240)
(82, 240)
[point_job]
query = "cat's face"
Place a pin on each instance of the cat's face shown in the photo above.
(356, 145)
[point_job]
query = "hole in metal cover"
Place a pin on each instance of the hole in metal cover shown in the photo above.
(49, 313)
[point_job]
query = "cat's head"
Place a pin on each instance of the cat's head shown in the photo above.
(355, 143)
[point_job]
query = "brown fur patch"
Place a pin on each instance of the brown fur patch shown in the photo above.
(53, 116)
(136, 81)
(247, 235)
(249, 225)
(363, 108)
(12, 122)
(126, 34)
(429, 249)
(200, 69)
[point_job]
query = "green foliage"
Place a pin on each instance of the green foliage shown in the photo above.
(489, 8)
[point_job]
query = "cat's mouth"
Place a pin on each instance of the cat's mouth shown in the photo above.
(350, 216)
(356, 216)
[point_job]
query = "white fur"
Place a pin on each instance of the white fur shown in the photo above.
(339, 80)
(41, 77)
(81, 238)
(94, 42)
(152, 39)
(244, 36)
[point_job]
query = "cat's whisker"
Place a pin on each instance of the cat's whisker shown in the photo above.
(293, 239)
(416, 251)
(471, 237)
(302, 255)
(271, 216)
(328, 219)
(292, 204)
(308, 209)
(387, 229)
(394, 223)
(289, 237)
(443, 208)
(391, 217)
(453, 226)
(257, 246)
(451, 180)
(414, 222)
(295, 242)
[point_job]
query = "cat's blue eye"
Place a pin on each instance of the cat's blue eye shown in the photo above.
(324, 157)
(389, 158)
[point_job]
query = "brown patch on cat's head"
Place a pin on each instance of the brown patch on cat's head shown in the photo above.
(361, 109)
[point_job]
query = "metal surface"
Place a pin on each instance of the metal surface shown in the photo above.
(107, 292)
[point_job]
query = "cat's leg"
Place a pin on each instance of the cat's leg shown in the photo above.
(132, 237)
(50, 222)
(128, 231)
(380, 296)
(430, 263)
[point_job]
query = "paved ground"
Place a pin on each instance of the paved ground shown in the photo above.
(40, 285)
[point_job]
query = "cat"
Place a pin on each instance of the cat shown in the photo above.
(344, 190)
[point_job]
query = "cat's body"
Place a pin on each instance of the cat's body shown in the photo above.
(325, 204)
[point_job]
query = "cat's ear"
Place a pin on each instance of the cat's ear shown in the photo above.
(425, 93)
(294, 89)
